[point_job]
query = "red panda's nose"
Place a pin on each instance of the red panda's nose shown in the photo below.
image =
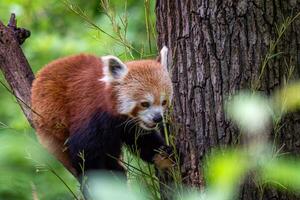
(157, 118)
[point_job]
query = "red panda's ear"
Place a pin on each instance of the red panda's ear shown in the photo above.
(164, 57)
(114, 69)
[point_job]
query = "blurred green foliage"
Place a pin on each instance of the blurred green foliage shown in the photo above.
(25, 166)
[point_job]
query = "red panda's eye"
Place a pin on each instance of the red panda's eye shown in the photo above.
(164, 102)
(145, 104)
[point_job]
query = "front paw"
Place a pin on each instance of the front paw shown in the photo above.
(164, 158)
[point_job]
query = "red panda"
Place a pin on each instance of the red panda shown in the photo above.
(93, 105)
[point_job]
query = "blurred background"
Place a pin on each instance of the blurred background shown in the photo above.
(126, 28)
(59, 28)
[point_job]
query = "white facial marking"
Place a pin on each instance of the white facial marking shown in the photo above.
(126, 104)
(150, 98)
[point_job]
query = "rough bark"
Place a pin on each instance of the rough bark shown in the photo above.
(216, 49)
(14, 64)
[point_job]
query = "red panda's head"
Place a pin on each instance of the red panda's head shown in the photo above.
(143, 89)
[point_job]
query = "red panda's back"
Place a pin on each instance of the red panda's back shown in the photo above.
(60, 89)
(64, 93)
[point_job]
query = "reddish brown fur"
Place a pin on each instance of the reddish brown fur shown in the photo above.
(67, 91)
(153, 77)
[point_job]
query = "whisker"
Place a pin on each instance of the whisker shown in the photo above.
(131, 122)
(128, 120)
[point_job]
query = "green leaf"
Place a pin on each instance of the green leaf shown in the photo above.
(224, 173)
(288, 98)
(282, 173)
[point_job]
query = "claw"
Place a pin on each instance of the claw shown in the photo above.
(163, 159)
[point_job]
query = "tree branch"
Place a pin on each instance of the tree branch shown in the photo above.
(14, 64)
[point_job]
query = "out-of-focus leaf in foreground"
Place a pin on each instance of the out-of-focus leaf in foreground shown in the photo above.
(282, 173)
(224, 173)
(24, 164)
(288, 98)
(251, 112)
(190, 194)
(110, 186)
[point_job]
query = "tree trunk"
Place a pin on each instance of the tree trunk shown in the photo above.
(217, 48)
